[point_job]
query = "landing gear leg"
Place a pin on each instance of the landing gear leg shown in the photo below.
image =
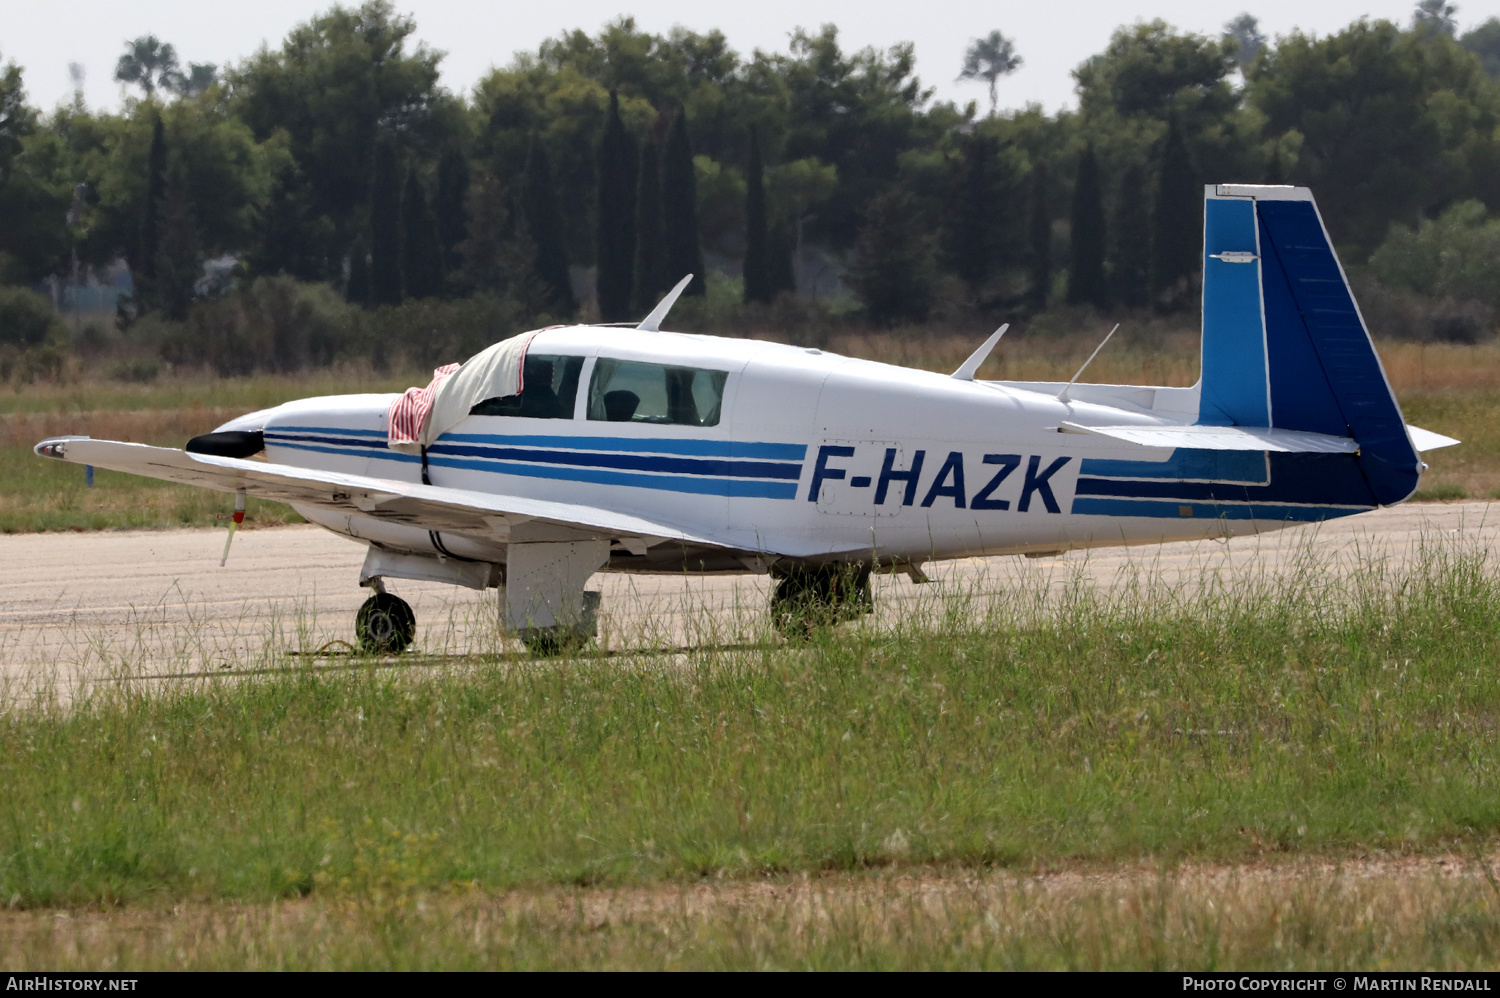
(545, 603)
(806, 599)
(385, 624)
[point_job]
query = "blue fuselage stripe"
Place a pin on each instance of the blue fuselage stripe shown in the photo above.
(348, 449)
(341, 431)
(737, 487)
(1088, 506)
(643, 445)
(1246, 467)
(751, 449)
(632, 462)
(277, 437)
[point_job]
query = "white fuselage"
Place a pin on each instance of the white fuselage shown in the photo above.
(817, 457)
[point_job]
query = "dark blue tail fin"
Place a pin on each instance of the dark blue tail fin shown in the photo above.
(1284, 344)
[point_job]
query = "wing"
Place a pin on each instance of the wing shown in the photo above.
(430, 507)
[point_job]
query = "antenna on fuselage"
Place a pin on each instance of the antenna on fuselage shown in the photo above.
(1062, 396)
(652, 323)
(970, 367)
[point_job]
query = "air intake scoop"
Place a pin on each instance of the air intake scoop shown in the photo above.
(228, 443)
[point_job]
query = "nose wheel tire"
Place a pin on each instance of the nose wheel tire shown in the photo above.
(385, 625)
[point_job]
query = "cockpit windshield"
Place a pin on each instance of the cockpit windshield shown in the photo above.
(549, 390)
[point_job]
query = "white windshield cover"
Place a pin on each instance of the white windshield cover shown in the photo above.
(421, 415)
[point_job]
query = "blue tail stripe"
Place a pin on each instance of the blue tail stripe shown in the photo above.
(1234, 357)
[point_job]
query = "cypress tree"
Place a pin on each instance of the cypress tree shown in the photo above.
(1275, 172)
(781, 247)
(1178, 236)
(421, 249)
(1040, 241)
(283, 244)
(757, 267)
(972, 212)
(448, 206)
(679, 209)
(156, 189)
(1131, 256)
(895, 267)
(497, 253)
(179, 258)
(616, 243)
(1086, 284)
(357, 290)
(545, 225)
(650, 250)
(385, 228)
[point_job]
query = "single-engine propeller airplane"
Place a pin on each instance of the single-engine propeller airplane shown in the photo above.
(563, 452)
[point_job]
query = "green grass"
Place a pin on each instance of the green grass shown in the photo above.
(1470, 468)
(1296, 717)
(483, 811)
(39, 494)
(245, 394)
(1441, 492)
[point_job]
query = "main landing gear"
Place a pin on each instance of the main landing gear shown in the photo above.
(807, 599)
(385, 625)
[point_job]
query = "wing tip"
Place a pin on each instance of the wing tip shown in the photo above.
(56, 447)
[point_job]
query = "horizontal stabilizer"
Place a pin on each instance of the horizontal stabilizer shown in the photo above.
(1250, 438)
(428, 506)
(1425, 440)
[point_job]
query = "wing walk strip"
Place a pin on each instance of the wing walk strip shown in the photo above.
(701, 467)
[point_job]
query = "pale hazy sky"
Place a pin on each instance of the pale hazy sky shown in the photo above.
(1052, 37)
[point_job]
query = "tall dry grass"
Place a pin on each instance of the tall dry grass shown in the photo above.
(1439, 913)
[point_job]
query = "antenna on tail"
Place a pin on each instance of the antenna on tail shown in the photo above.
(1062, 396)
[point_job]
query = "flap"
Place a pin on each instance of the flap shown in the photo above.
(429, 507)
(1250, 438)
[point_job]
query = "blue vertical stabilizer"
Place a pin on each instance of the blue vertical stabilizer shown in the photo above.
(1284, 345)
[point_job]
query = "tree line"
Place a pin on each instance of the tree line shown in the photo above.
(595, 171)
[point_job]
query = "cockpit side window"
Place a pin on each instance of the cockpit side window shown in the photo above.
(549, 389)
(625, 391)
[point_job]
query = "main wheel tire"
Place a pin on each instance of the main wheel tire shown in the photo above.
(385, 625)
(807, 600)
(550, 643)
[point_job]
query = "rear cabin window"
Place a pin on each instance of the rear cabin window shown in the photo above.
(549, 388)
(624, 391)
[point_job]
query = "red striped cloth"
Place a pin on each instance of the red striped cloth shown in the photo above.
(409, 411)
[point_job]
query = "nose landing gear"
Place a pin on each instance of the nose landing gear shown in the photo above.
(385, 625)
